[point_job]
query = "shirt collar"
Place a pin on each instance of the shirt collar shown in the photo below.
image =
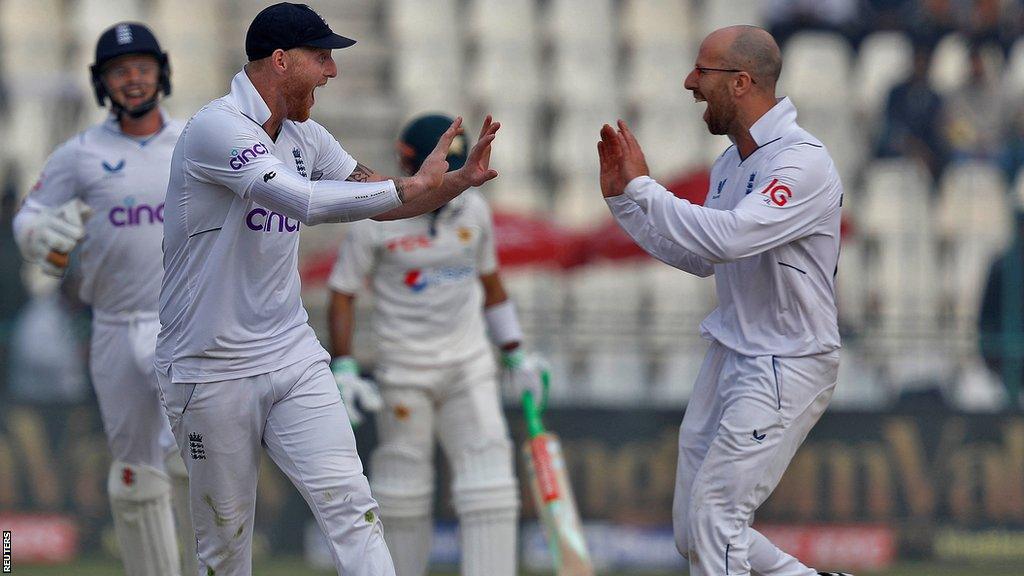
(774, 123)
(247, 99)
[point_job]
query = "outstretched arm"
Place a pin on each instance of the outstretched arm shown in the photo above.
(432, 186)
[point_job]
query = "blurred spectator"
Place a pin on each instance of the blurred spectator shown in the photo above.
(12, 289)
(48, 349)
(1012, 156)
(787, 17)
(910, 128)
(993, 23)
(928, 21)
(973, 113)
(1001, 320)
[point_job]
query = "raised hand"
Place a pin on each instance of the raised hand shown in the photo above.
(477, 168)
(609, 152)
(633, 163)
(432, 170)
(621, 159)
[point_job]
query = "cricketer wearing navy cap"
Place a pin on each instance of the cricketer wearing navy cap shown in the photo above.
(240, 368)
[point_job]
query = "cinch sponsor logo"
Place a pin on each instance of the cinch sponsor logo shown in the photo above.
(260, 219)
(418, 280)
(132, 214)
(239, 159)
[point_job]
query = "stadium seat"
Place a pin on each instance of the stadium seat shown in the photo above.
(573, 144)
(1014, 75)
(657, 71)
(885, 59)
(505, 72)
(656, 22)
(583, 75)
(672, 135)
(974, 220)
(901, 264)
(715, 15)
(502, 21)
(949, 63)
(417, 20)
(579, 21)
(817, 71)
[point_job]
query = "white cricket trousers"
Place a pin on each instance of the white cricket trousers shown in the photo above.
(121, 366)
(297, 414)
(744, 422)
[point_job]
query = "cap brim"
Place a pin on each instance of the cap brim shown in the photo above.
(332, 41)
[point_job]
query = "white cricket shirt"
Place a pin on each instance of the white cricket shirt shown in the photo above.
(123, 179)
(428, 305)
(230, 305)
(768, 231)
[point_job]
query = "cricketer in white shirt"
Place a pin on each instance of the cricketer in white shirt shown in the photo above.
(769, 234)
(122, 180)
(237, 361)
(428, 303)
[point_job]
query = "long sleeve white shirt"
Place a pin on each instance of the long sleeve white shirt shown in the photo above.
(769, 232)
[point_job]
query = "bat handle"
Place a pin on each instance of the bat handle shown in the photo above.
(534, 425)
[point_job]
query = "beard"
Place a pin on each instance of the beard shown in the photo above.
(299, 102)
(721, 117)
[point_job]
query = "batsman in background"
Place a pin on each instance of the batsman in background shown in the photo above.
(117, 171)
(437, 295)
(769, 233)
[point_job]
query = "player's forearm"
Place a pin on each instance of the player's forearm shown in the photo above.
(722, 235)
(341, 323)
(418, 198)
(634, 222)
(325, 201)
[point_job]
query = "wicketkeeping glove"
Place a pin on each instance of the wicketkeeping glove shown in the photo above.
(55, 230)
(525, 372)
(354, 387)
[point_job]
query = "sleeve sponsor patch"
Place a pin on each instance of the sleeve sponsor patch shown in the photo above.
(776, 193)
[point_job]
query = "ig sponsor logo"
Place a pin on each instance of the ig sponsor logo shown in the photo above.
(776, 193)
(262, 220)
(130, 214)
(241, 158)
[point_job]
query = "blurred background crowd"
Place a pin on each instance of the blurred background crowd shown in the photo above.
(920, 102)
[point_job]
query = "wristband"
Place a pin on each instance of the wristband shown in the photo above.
(503, 324)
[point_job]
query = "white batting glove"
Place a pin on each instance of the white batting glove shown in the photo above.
(53, 234)
(354, 387)
(525, 372)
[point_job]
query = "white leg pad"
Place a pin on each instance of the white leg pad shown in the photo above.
(182, 514)
(402, 482)
(486, 498)
(140, 499)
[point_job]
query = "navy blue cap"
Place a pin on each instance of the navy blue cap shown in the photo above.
(286, 26)
(420, 136)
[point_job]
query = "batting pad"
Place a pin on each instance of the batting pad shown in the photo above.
(486, 498)
(140, 499)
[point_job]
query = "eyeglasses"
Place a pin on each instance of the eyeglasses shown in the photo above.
(704, 70)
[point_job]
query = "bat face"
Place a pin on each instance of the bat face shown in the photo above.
(552, 493)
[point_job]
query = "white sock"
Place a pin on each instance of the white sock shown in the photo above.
(767, 560)
(489, 545)
(409, 541)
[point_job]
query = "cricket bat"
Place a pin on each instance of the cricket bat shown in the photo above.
(552, 494)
